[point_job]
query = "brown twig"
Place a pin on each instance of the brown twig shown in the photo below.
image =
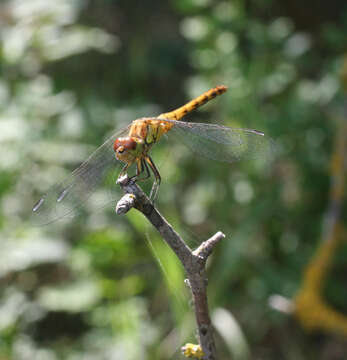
(193, 261)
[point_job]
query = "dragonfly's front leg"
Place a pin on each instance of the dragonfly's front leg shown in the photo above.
(140, 167)
(156, 184)
(123, 171)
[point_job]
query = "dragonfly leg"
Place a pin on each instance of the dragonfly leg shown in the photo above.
(156, 184)
(140, 167)
(139, 170)
(143, 166)
(123, 171)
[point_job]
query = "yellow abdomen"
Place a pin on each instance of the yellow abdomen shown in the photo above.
(195, 103)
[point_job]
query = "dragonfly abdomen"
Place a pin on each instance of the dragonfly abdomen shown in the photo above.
(195, 103)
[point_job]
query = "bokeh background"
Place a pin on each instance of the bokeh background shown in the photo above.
(101, 286)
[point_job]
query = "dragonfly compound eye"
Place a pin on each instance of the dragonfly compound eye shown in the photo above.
(124, 146)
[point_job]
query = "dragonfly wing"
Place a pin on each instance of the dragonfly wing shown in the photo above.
(63, 198)
(223, 143)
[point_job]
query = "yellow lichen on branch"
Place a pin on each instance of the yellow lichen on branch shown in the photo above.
(192, 351)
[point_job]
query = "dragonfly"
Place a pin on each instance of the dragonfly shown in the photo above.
(132, 145)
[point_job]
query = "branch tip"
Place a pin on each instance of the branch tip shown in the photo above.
(125, 204)
(205, 249)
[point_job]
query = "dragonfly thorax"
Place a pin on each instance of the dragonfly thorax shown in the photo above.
(128, 148)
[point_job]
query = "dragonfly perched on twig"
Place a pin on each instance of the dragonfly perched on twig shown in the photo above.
(131, 146)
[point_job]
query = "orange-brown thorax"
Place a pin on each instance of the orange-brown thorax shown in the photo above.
(149, 130)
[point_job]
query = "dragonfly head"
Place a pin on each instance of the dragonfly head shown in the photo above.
(126, 149)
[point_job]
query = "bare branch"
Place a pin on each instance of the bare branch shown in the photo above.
(192, 261)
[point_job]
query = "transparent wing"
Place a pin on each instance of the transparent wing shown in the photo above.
(71, 193)
(223, 143)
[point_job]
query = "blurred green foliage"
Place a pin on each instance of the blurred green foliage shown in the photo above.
(74, 71)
